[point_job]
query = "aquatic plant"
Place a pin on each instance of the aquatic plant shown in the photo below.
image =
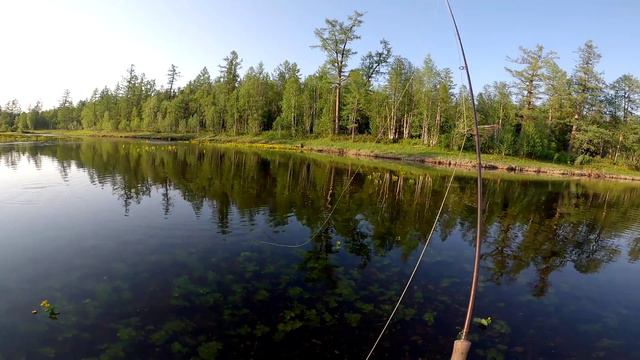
(482, 322)
(49, 309)
(209, 350)
(430, 317)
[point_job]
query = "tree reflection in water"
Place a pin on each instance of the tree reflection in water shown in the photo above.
(351, 272)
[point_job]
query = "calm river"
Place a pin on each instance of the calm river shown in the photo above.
(153, 251)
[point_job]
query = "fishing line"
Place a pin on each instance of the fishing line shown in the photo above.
(326, 220)
(426, 244)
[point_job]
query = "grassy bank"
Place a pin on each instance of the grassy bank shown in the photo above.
(364, 147)
(12, 137)
(415, 151)
(142, 135)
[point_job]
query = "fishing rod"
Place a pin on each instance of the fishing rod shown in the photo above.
(462, 345)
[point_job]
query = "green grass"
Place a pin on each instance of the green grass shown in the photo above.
(148, 135)
(343, 145)
(10, 137)
(411, 150)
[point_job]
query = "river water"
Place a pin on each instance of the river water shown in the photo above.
(152, 250)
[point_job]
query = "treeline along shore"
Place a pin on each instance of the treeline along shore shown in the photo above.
(560, 118)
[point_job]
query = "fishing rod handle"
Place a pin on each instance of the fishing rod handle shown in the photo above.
(460, 349)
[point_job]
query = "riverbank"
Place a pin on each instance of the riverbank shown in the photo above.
(412, 151)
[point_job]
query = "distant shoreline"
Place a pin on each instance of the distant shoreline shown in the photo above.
(361, 147)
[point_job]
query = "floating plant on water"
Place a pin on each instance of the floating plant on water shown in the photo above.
(49, 309)
(482, 322)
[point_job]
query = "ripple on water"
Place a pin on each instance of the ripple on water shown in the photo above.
(27, 194)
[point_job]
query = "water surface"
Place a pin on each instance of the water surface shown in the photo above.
(154, 250)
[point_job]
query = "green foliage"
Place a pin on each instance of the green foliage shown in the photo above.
(534, 140)
(335, 40)
(587, 82)
(168, 330)
(295, 292)
(49, 309)
(530, 78)
(583, 160)
(430, 317)
(126, 334)
(356, 97)
(353, 319)
(178, 349)
(209, 350)
(254, 101)
(482, 322)
(292, 104)
(561, 158)
(545, 113)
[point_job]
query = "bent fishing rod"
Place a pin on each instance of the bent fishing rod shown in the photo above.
(462, 345)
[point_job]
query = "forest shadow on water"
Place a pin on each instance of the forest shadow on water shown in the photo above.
(151, 250)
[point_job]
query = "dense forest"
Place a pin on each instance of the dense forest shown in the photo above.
(546, 112)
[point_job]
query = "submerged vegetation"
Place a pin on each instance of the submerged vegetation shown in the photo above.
(548, 113)
(222, 292)
(175, 239)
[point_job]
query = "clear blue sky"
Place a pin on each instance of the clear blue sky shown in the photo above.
(52, 45)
